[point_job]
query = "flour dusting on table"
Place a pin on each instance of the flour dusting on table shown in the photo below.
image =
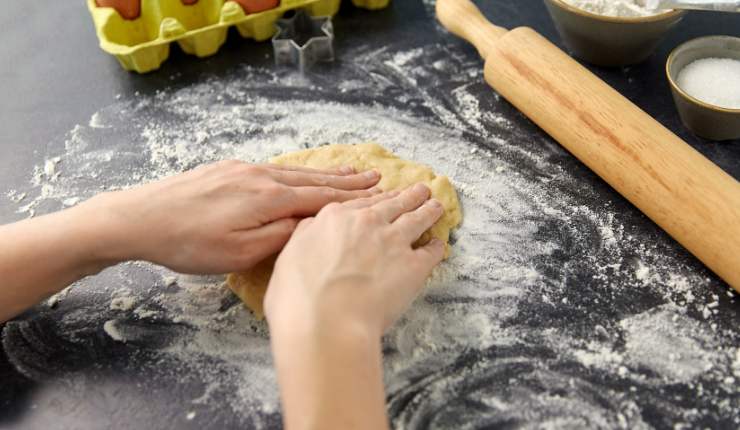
(553, 310)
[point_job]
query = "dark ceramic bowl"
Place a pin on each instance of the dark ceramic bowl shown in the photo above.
(703, 119)
(610, 41)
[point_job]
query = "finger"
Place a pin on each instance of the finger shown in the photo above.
(412, 225)
(407, 201)
(305, 222)
(356, 181)
(430, 255)
(218, 165)
(342, 170)
(260, 243)
(308, 201)
(423, 260)
(370, 201)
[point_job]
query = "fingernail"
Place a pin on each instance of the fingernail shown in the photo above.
(420, 188)
(394, 193)
(435, 242)
(371, 174)
(435, 204)
(376, 190)
(346, 170)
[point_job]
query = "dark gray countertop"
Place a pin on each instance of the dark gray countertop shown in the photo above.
(68, 373)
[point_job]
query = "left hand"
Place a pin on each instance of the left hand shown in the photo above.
(220, 218)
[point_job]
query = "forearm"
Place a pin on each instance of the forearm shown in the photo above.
(41, 256)
(330, 378)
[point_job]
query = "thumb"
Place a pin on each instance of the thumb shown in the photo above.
(425, 258)
(260, 243)
(430, 255)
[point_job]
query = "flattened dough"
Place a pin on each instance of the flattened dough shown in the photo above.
(398, 174)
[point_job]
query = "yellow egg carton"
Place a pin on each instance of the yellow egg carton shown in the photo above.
(143, 44)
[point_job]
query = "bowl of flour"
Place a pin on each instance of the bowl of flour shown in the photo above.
(611, 33)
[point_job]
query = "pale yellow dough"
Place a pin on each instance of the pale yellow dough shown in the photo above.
(398, 174)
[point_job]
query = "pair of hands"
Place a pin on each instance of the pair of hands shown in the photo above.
(347, 246)
(346, 272)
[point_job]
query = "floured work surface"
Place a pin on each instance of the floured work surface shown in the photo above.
(560, 304)
(397, 174)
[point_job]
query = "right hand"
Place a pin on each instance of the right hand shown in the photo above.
(354, 264)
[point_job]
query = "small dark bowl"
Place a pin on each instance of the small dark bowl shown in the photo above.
(610, 41)
(704, 119)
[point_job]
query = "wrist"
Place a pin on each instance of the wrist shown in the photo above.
(322, 328)
(329, 313)
(104, 230)
(330, 373)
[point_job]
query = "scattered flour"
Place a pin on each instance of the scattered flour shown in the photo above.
(112, 330)
(145, 313)
(540, 260)
(15, 197)
(54, 300)
(70, 201)
(50, 167)
(95, 121)
(668, 343)
(598, 355)
(122, 303)
(642, 272)
(123, 299)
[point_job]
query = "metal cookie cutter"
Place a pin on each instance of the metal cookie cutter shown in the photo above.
(303, 40)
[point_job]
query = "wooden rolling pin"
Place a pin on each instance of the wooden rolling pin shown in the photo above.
(687, 195)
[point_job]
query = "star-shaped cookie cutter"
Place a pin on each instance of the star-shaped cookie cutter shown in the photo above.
(303, 40)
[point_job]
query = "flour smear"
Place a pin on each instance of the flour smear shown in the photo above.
(554, 311)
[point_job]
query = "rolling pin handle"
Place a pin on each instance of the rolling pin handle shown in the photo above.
(464, 19)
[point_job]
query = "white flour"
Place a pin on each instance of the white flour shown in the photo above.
(618, 8)
(111, 329)
(668, 343)
(541, 264)
(123, 300)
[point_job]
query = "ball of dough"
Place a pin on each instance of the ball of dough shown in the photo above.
(397, 174)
